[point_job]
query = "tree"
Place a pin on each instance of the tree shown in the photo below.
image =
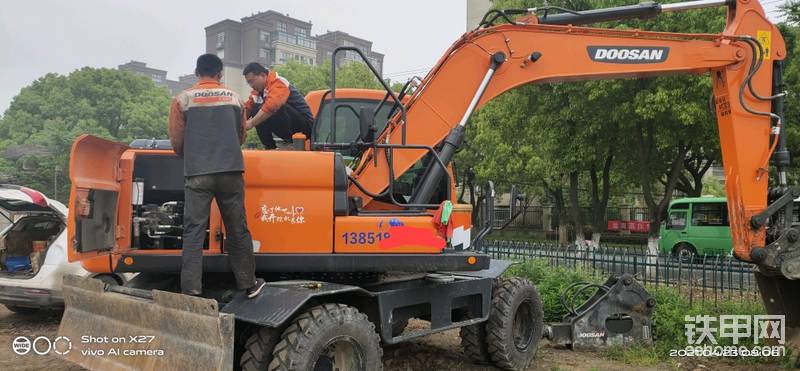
(304, 77)
(43, 120)
(307, 78)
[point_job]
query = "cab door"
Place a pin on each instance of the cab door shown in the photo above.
(93, 201)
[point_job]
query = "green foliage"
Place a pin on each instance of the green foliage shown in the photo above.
(713, 187)
(307, 78)
(38, 128)
(637, 355)
(304, 77)
(791, 10)
(551, 282)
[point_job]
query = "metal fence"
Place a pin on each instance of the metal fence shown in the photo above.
(533, 217)
(704, 278)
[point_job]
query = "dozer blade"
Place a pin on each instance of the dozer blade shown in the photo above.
(119, 328)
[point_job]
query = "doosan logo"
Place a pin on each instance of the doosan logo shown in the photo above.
(591, 334)
(628, 54)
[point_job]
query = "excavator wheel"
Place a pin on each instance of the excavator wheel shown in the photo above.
(515, 324)
(473, 337)
(258, 349)
(473, 343)
(329, 337)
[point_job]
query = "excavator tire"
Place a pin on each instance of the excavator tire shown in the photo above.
(329, 336)
(473, 343)
(515, 324)
(473, 338)
(258, 349)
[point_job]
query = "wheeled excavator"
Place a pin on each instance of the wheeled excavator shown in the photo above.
(357, 233)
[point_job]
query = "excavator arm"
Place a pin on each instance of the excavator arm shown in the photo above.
(743, 61)
(489, 61)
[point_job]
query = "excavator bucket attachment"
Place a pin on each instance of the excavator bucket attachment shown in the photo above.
(119, 328)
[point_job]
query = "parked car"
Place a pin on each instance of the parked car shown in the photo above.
(696, 226)
(33, 251)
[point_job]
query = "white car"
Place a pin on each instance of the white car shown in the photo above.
(30, 281)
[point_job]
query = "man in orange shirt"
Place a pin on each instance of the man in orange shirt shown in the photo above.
(275, 106)
(207, 129)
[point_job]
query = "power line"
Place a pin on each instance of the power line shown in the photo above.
(412, 70)
(405, 73)
(408, 71)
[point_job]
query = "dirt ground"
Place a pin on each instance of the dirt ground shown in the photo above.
(436, 352)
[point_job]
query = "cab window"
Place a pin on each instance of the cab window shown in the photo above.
(347, 122)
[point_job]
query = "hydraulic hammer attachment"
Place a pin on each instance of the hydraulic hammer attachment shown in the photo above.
(119, 328)
(619, 313)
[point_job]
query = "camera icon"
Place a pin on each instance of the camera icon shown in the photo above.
(21, 345)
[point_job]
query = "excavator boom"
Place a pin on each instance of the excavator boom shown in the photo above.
(489, 61)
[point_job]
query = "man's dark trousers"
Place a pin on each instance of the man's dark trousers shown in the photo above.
(228, 189)
(284, 123)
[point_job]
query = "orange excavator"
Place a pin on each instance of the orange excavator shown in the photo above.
(358, 229)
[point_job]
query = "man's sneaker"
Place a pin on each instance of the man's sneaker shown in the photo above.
(256, 289)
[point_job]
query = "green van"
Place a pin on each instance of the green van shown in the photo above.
(696, 226)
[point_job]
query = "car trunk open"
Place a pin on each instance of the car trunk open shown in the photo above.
(37, 222)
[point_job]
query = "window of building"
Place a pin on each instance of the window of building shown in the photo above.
(221, 53)
(263, 53)
(302, 32)
(220, 39)
(281, 27)
(263, 36)
(347, 43)
(306, 42)
(157, 78)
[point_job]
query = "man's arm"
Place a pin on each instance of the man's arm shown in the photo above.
(275, 99)
(177, 126)
(243, 127)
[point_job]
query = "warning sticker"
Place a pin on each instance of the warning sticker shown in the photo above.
(765, 39)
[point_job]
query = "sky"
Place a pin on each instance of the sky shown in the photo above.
(44, 36)
(39, 37)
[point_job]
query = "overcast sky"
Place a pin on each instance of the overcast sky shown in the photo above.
(44, 36)
(38, 37)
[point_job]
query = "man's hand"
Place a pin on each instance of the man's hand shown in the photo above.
(249, 124)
